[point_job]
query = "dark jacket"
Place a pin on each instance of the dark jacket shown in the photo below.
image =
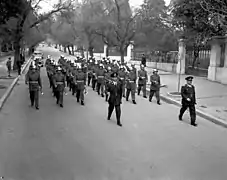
(188, 92)
(115, 93)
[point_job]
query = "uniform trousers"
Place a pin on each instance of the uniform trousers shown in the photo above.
(59, 97)
(100, 87)
(157, 95)
(192, 111)
(34, 97)
(89, 79)
(131, 89)
(117, 110)
(94, 81)
(143, 88)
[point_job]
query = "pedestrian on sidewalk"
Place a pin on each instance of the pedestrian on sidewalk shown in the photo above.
(143, 60)
(155, 86)
(19, 66)
(9, 66)
(188, 100)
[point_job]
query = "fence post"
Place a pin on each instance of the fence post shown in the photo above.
(181, 61)
(215, 57)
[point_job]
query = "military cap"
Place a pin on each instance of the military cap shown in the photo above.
(189, 78)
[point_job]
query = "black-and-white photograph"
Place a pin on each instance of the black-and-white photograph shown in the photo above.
(113, 89)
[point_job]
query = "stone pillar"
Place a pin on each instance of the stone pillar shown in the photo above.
(129, 51)
(105, 50)
(225, 62)
(215, 57)
(181, 57)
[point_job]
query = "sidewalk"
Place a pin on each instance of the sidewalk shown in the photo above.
(6, 81)
(211, 96)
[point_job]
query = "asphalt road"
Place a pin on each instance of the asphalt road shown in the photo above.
(78, 143)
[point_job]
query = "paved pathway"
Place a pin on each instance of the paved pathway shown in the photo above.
(78, 143)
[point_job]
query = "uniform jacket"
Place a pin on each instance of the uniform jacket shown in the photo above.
(100, 73)
(188, 92)
(142, 74)
(59, 81)
(80, 80)
(34, 80)
(155, 82)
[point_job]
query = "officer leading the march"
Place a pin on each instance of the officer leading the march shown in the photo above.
(188, 100)
(115, 95)
(35, 85)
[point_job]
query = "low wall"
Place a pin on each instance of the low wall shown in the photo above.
(101, 55)
(170, 67)
(221, 75)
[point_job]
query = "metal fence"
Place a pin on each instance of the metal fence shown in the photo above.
(155, 56)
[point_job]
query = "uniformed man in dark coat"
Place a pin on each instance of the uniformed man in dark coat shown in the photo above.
(59, 83)
(188, 100)
(115, 95)
(155, 86)
(35, 85)
(142, 81)
(80, 79)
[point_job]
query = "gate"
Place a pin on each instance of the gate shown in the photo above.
(197, 63)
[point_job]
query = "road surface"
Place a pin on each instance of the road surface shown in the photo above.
(78, 143)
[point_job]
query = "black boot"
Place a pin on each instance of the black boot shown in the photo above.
(134, 101)
(158, 103)
(82, 103)
(180, 118)
(119, 123)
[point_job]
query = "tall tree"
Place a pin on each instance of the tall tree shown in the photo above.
(29, 18)
(197, 24)
(118, 25)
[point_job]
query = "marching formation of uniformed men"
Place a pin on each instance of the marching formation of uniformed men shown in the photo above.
(110, 79)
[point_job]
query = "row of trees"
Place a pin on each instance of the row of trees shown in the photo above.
(93, 23)
(22, 24)
(89, 24)
(198, 21)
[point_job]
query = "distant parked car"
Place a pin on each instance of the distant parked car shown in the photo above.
(38, 54)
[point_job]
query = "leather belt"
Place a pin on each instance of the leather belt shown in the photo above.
(33, 82)
(59, 83)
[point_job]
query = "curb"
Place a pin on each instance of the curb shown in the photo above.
(13, 84)
(200, 113)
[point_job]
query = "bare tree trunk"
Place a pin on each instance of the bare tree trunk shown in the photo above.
(90, 49)
(65, 49)
(72, 47)
(122, 53)
(16, 54)
(68, 47)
